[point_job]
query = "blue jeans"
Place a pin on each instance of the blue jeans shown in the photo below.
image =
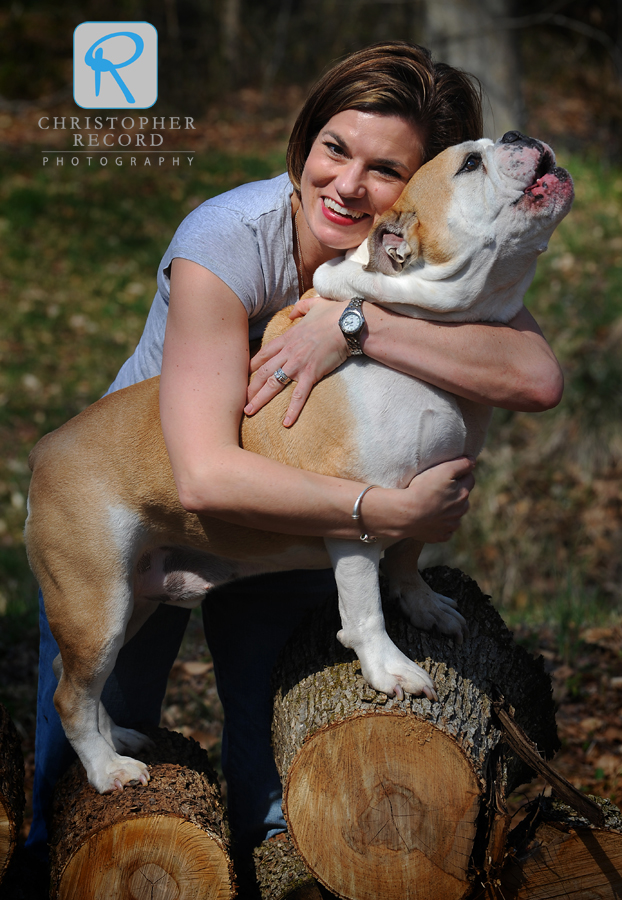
(246, 624)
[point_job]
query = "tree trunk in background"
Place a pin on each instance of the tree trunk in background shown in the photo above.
(405, 799)
(166, 840)
(231, 40)
(278, 46)
(12, 798)
(468, 34)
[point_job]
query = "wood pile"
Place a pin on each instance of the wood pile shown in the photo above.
(404, 799)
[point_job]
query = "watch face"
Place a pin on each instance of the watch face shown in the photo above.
(351, 323)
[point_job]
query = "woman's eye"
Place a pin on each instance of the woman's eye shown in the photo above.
(390, 173)
(471, 163)
(334, 148)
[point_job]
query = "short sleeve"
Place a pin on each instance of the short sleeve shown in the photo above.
(224, 242)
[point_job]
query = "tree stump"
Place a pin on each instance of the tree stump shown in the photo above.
(556, 853)
(403, 799)
(12, 799)
(167, 840)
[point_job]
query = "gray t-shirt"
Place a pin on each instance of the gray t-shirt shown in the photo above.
(245, 238)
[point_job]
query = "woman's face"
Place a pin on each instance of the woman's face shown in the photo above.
(357, 168)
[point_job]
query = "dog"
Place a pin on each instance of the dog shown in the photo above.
(108, 539)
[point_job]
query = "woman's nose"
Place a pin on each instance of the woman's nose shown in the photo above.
(351, 181)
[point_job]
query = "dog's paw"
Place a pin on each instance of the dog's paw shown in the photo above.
(426, 610)
(119, 772)
(126, 740)
(388, 670)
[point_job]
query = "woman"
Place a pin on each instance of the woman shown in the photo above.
(367, 127)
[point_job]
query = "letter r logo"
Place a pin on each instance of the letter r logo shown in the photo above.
(115, 65)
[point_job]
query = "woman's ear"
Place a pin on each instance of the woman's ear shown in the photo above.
(393, 243)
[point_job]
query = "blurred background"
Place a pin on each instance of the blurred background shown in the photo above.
(81, 245)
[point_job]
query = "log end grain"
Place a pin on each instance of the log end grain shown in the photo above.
(161, 857)
(406, 824)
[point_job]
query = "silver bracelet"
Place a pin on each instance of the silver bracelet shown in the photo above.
(356, 513)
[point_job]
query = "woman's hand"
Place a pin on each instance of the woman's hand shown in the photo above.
(437, 499)
(306, 352)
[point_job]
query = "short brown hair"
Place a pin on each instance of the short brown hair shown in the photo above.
(392, 78)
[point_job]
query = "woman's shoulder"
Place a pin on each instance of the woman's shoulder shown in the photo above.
(244, 237)
(250, 202)
(241, 221)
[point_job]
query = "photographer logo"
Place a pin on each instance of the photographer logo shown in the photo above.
(115, 65)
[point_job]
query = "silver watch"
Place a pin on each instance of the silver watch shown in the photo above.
(352, 322)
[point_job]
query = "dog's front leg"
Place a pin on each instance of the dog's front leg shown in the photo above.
(385, 667)
(424, 607)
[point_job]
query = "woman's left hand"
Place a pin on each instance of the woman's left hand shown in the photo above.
(307, 352)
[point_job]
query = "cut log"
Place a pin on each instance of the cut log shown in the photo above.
(556, 853)
(403, 799)
(281, 873)
(12, 799)
(167, 840)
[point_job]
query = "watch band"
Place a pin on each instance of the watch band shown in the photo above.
(353, 341)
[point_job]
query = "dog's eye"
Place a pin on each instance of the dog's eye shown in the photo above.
(471, 163)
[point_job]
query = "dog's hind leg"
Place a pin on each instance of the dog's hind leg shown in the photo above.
(424, 607)
(89, 645)
(123, 740)
(127, 740)
(385, 667)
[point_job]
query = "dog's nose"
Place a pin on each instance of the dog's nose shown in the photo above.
(510, 137)
(516, 137)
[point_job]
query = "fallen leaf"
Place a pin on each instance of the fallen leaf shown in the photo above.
(196, 667)
(592, 723)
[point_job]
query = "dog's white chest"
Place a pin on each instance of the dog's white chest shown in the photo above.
(403, 425)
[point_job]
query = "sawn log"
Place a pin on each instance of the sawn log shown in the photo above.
(167, 840)
(406, 799)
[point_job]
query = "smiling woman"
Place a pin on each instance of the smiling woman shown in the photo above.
(236, 260)
(357, 168)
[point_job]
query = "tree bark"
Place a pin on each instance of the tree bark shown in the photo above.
(166, 840)
(281, 873)
(403, 799)
(12, 799)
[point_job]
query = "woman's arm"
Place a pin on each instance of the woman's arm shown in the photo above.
(202, 393)
(510, 366)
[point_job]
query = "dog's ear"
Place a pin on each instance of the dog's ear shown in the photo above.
(393, 243)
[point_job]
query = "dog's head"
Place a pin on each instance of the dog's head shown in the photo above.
(508, 195)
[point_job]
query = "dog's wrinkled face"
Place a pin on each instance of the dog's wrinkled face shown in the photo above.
(469, 197)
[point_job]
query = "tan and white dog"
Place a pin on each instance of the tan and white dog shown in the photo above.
(108, 539)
